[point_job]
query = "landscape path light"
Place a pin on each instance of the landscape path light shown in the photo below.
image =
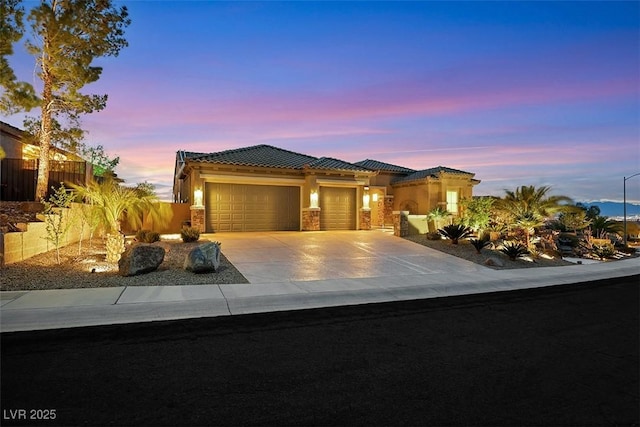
(624, 203)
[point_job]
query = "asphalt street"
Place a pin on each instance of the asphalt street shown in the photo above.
(562, 355)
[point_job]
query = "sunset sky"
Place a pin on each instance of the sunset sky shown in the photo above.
(542, 93)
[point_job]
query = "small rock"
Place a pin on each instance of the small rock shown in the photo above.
(203, 258)
(494, 262)
(139, 259)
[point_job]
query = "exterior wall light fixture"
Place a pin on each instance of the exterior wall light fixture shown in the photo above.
(366, 198)
(197, 197)
(313, 199)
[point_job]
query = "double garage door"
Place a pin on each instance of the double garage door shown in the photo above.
(240, 207)
(244, 207)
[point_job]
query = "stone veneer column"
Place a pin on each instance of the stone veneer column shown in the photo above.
(380, 210)
(365, 219)
(388, 210)
(311, 219)
(197, 218)
(401, 223)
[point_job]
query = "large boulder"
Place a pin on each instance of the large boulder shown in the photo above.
(204, 258)
(140, 258)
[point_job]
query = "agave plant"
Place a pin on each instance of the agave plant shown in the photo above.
(603, 251)
(455, 232)
(514, 250)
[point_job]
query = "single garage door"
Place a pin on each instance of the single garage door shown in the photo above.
(243, 207)
(338, 208)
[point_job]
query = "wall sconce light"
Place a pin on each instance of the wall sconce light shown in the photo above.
(313, 199)
(366, 198)
(375, 197)
(197, 197)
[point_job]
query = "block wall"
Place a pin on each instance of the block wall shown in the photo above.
(18, 246)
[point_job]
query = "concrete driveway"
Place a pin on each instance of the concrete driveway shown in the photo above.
(270, 257)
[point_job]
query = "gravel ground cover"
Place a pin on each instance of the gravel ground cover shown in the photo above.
(464, 249)
(75, 270)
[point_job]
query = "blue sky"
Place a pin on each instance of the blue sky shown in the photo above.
(541, 93)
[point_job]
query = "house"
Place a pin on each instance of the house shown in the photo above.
(16, 145)
(19, 168)
(266, 188)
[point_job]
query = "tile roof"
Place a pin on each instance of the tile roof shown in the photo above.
(268, 156)
(431, 172)
(257, 155)
(333, 164)
(382, 166)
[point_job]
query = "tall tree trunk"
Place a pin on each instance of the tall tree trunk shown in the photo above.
(42, 184)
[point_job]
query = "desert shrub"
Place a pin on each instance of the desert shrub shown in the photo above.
(476, 212)
(190, 234)
(480, 243)
(434, 236)
(57, 217)
(603, 251)
(455, 232)
(147, 236)
(514, 250)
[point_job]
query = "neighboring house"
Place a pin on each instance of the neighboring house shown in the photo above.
(265, 188)
(15, 145)
(19, 168)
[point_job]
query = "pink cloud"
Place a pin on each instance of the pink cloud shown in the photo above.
(137, 106)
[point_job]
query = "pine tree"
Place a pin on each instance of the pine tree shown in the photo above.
(69, 35)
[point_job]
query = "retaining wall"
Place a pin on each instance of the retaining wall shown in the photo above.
(18, 246)
(21, 245)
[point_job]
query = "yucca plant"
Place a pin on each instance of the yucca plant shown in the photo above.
(514, 250)
(455, 232)
(438, 215)
(480, 243)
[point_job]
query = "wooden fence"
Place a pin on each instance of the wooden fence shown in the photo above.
(18, 177)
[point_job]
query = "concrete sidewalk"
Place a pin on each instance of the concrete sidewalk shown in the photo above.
(65, 308)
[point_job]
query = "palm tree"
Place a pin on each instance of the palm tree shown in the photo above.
(112, 202)
(527, 207)
(535, 200)
(602, 225)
